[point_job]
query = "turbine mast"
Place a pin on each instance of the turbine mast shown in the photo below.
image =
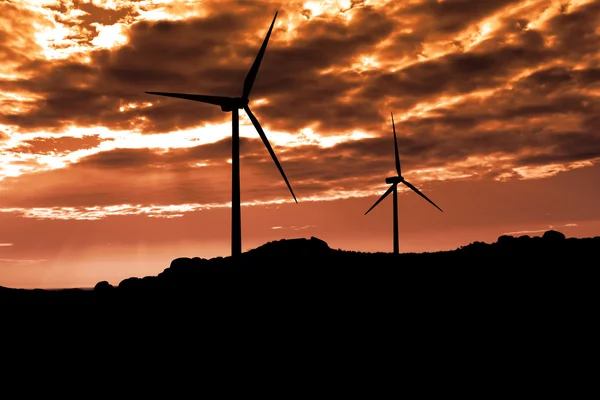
(236, 217)
(396, 240)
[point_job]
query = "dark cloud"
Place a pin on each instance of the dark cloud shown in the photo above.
(16, 37)
(525, 92)
(90, 17)
(452, 16)
(565, 147)
(219, 151)
(210, 56)
(121, 159)
(57, 145)
(145, 176)
(451, 74)
(419, 24)
(95, 183)
(104, 16)
(575, 31)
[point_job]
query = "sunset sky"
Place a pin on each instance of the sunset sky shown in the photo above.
(496, 104)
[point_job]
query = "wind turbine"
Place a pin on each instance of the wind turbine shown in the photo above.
(233, 104)
(394, 181)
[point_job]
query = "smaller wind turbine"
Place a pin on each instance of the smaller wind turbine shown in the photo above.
(394, 181)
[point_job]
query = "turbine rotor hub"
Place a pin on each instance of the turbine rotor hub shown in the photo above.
(393, 179)
(235, 103)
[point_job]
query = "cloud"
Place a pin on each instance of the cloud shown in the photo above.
(52, 145)
(479, 90)
(293, 228)
(7, 262)
(541, 230)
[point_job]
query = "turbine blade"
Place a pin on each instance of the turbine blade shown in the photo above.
(262, 135)
(254, 69)
(387, 192)
(396, 148)
(421, 194)
(217, 100)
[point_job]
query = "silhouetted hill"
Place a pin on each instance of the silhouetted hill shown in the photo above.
(309, 270)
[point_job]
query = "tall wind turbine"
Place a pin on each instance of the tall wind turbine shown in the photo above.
(233, 104)
(394, 181)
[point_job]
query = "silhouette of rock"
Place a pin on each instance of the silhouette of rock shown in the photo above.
(476, 247)
(185, 262)
(181, 262)
(298, 247)
(506, 240)
(129, 283)
(553, 235)
(103, 286)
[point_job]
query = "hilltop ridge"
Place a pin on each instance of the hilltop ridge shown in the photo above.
(290, 264)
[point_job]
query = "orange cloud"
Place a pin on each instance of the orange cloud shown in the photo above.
(481, 90)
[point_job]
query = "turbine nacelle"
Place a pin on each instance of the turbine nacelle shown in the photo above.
(234, 103)
(394, 179)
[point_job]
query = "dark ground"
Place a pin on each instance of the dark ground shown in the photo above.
(308, 271)
(514, 316)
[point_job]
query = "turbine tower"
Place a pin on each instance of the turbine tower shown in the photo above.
(394, 181)
(233, 104)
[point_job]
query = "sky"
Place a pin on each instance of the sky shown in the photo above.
(496, 106)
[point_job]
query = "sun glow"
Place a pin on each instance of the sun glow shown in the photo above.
(481, 33)
(57, 39)
(133, 106)
(157, 10)
(366, 63)
(423, 109)
(109, 36)
(314, 7)
(327, 7)
(308, 136)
